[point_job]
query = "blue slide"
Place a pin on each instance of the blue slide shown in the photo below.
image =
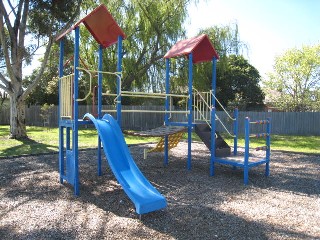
(143, 195)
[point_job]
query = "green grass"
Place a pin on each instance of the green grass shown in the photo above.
(304, 144)
(43, 140)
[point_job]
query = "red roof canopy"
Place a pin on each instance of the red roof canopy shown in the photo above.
(201, 48)
(101, 25)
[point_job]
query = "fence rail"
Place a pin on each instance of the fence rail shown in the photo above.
(291, 123)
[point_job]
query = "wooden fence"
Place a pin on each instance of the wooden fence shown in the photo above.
(291, 123)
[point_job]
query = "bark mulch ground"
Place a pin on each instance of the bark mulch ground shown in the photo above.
(285, 205)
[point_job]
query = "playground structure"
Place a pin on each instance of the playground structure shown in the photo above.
(200, 115)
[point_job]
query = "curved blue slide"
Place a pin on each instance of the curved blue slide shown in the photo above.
(143, 195)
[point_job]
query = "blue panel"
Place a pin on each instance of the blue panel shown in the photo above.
(70, 168)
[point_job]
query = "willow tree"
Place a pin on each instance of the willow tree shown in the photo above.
(25, 27)
(151, 27)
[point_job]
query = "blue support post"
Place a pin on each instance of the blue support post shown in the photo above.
(235, 131)
(267, 173)
(213, 141)
(119, 69)
(100, 81)
(61, 153)
(214, 80)
(61, 140)
(213, 116)
(99, 106)
(75, 110)
(166, 117)
(246, 150)
(190, 111)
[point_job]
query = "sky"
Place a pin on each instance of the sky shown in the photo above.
(268, 27)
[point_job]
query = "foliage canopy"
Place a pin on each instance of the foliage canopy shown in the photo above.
(295, 83)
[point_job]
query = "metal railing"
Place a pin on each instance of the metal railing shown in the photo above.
(202, 106)
(66, 98)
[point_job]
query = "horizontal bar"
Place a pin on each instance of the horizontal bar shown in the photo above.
(258, 135)
(154, 111)
(142, 96)
(110, 110)
(241, 164)
(178, 124)
(154, 94)
(260, 122)
(109, 94)
(146, 111)
(118, 74)
(261, 148)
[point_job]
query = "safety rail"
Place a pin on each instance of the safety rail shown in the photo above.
(90, 83)
(147, 111)
(202, 106)
(66, 96)
(265, 135)
(149, 95)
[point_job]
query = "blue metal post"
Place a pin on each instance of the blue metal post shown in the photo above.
(119, 69)
(213, 140)
(166, 117)
(267, 173)
(214, 80)
(235, 131)
(99, 106)
(213, 116)
(246, 151)
(100, 82)
(61, 140)
(190, 111)
(75, 110)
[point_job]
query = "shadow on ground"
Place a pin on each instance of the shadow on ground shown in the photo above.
(195, 200)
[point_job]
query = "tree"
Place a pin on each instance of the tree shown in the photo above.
(237, 80)
(47, 89)
(245, 92)
(21, 22)
(152, 27)
(295, 83)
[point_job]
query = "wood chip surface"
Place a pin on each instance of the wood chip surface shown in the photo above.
(285, 205)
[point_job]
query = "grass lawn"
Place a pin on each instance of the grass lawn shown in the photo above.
(43, 140)
(304, 144)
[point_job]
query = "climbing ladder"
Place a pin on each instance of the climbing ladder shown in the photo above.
(173, 141)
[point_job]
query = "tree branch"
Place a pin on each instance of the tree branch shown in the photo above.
(22, 30)
(12, 8)
(4, 14)
(17, 19)
(5, 84)
(5, 50)
(71, 21)
(41, 70)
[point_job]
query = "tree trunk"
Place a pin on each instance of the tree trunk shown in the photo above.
(17, 117)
